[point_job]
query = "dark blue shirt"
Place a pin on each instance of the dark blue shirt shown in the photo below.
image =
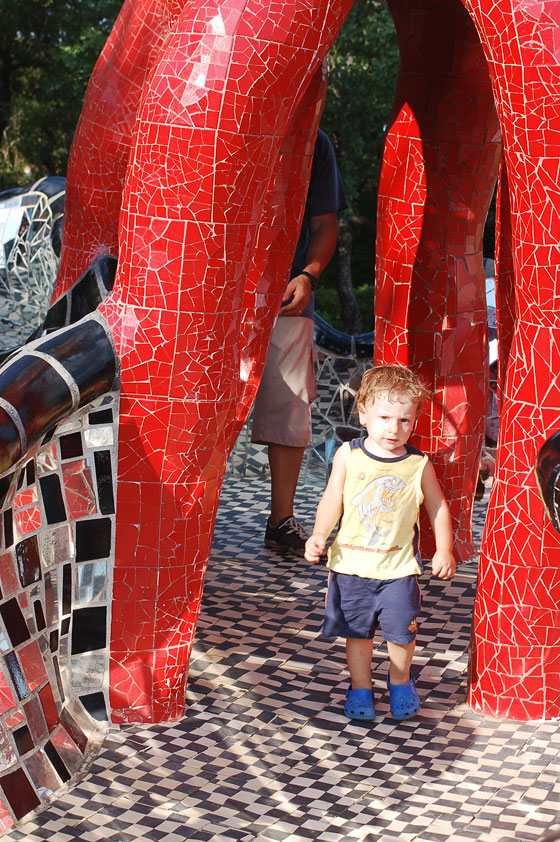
(325, 195)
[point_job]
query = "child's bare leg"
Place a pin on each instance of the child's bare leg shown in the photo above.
(358, 656)
(400, 657)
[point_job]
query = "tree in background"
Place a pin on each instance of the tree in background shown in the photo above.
(47, 52)
(363, 69)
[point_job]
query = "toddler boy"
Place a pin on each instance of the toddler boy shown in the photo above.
(377, 485)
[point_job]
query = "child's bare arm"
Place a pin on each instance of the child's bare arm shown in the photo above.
(329, 508)
(443, 562)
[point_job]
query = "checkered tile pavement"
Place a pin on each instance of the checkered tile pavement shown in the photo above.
(265, 753)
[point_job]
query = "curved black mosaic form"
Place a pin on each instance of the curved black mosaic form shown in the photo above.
(547, 472)
(85, 295)
(56, 525)
(338, 344)
(58, 414)
(50, 378)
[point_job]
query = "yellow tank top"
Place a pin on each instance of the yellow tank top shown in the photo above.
(378, 537)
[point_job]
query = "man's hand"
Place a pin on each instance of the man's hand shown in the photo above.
(314, 548)
(443, 564)
(300, 288)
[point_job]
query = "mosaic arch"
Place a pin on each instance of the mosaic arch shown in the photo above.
(190, 163)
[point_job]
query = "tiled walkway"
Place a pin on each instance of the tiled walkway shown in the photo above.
(264, 751)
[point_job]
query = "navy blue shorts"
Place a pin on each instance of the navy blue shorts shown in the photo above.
(356, 607)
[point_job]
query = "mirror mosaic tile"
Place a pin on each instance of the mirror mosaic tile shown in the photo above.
(55, 589)
(99, 437)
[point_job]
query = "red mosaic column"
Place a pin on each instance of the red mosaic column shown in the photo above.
(515, 664)
(439, 169)
(276, 239)
(504, 278)
(213, 119)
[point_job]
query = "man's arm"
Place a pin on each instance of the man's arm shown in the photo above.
(323, 233)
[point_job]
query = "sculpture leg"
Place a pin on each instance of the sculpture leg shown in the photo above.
(205, 147)
(505, 278)
(101, 146)
(439, 170)
(278, 231)
(516, 645)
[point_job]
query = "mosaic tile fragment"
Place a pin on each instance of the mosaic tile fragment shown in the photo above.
(28, 561)
(19, 793)
(52, 498)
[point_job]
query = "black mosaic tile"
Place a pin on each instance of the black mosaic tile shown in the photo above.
(66, 588)
(71, 446)
(30, 473)
(104, 478)
(57, 762)
(17, 676)
(14, 621)
(28, 561)
(88, 356)
(8, 528)
(53, 501)
(89, 629)
(5, 483)
(48, 437)
(23, 740)
(56, 315)
(19, 793)
(102, 416)
(39, 615)
(95, 705)
(93, 539)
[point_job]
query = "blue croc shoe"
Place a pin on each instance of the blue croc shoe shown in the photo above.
(359, 704)
(403, 698)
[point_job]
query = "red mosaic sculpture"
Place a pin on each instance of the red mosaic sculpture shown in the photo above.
(468, 71)
(461, 74)
(198, 127)
(190, 111)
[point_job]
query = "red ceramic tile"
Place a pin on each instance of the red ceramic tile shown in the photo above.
(49, 707)
(14, 720)
(78, 489)
(131, 680)
(25, 498)
(7, 701)
(6, 820)
(27, 520)
(8, 576)
(32, 665)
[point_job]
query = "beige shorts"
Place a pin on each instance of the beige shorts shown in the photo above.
(281, 408)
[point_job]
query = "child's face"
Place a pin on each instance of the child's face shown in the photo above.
(389, 423)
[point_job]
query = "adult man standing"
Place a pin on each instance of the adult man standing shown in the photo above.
(287, 388)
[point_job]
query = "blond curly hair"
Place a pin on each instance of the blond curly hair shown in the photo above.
(396, 381)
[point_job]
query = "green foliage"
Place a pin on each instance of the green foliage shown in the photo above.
(363, 70)
(47, 52)
(327, 305)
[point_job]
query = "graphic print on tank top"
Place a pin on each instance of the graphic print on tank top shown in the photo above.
(376, 504)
